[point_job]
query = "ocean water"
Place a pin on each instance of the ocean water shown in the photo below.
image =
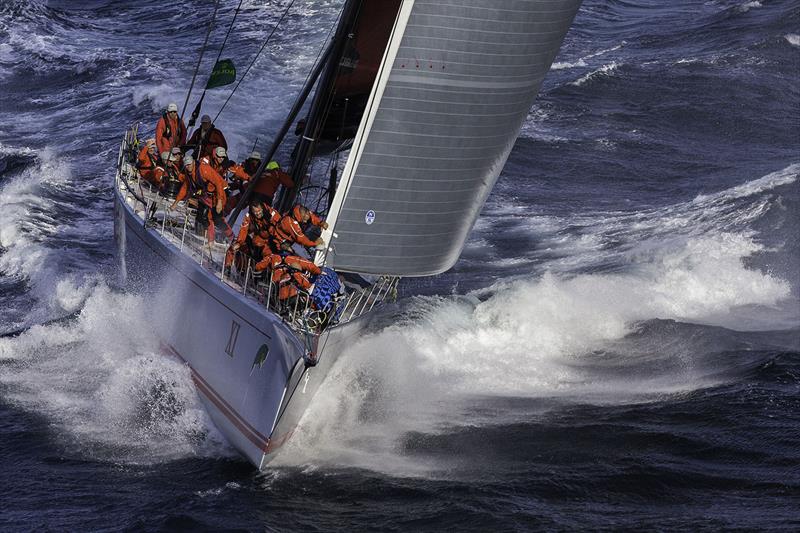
(618, 347)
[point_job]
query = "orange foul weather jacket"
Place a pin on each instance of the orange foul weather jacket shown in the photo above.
(289, 273)
(237, 170)
(205, 183)
(148, 166)
(268, 183)
(169, 133)
(269, 180)
(258, 228)
(289, 230)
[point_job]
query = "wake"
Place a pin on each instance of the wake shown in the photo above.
(557, 335)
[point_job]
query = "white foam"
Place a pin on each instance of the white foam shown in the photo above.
(104, 386)
(28, 219)
(156, 96)
(21, 228)
(605, 70)
(541, 336)
(770, 181)
(582, 61)
(747, 6)
(529, 338)
(793, 39)
(560, 65)
(70, 294)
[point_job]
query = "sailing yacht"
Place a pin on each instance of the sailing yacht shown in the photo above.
(421, 102)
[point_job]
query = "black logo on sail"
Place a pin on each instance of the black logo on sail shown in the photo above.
(232, 339)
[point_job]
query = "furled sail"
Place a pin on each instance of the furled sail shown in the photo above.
(456, 83)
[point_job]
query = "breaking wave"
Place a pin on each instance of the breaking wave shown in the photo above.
(549, 336)
(102, 383)
(581, 62)
(38, 228)
(604, 71)
(747, 6)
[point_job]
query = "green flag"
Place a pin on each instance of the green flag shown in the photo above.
(224, 73)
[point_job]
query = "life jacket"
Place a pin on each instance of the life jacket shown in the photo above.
(168, 129)
(208, 140)
(255, 233)
(262, 226)
(195, 182)
(198, 187)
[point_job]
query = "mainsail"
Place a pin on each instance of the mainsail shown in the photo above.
(456, 82)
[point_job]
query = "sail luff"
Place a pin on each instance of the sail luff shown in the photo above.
(366, 123)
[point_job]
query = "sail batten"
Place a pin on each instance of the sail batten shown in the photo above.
(455, 86)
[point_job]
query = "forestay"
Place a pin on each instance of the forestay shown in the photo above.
(456, 83)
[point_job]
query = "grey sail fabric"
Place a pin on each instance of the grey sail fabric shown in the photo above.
(461, 85)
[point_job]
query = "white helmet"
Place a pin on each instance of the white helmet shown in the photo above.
(172, 107)
(255, 155)
(165, 156)
(188, 160)
(220, 151)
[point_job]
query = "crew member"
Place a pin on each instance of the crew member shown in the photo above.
(147, 162)
(269, 181)
(290, 229)
(254, 234)
(204, 183)
(171, 177)
(289, 273)
(251, 163)
(206, 138)
(234, 174)
(170, 130)
(224, 166)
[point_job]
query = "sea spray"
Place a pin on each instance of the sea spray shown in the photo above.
(106, 387)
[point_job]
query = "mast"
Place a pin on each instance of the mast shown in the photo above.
(301, 99)
(320, 105)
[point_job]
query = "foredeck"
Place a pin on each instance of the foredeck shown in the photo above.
(176, 226)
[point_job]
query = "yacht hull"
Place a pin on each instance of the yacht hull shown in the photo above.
(248, 365)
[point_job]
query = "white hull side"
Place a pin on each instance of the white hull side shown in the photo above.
(218, 332)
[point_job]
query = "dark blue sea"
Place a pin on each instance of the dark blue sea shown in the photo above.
(618, 347)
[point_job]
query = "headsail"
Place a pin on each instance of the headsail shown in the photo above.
(455, 85)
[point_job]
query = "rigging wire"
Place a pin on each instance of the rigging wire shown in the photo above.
(200, 59)
(315, 62)
(322, 104)
(225, 40)
(197, 108)
(266, 42)
(280, 135)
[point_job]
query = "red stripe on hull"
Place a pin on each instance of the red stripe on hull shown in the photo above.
(263, 443)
